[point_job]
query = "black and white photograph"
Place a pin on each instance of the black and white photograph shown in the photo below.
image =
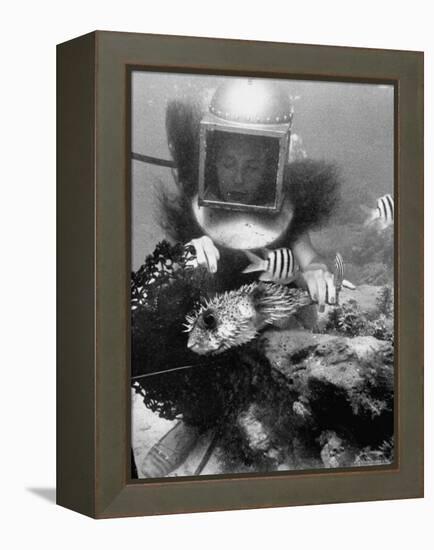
(262, 275)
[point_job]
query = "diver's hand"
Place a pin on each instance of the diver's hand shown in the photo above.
(320, 284)
(207, 255)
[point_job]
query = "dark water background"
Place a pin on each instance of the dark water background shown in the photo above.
(351, 124)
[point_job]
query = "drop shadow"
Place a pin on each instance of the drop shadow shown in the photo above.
(47, 493)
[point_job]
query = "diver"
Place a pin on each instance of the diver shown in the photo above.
(238, 192)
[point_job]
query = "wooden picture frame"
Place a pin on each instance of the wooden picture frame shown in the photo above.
(94, 218)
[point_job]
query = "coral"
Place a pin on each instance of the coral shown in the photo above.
(346, 385)
(384, 454)
(347, 319)
(350, 320)
(382, 328)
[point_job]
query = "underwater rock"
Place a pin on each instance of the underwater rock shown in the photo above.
(341, 385)
(327, 403)
(335, 451)
(305, 454)
(301, 409)
(254, 430)
(334, 408)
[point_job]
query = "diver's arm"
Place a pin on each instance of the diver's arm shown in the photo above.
(314, 271)
(305, 254)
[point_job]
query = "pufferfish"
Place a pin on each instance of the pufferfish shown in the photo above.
(236, 317)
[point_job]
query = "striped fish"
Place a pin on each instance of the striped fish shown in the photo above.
(278, 266)
(383, 214)
(338, 275)
(339, 269)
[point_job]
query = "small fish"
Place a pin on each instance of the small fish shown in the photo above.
(278, 267)
(383, 215)
(339, 271)
(236, 317)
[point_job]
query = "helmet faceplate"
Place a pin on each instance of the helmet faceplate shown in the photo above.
(244, 143)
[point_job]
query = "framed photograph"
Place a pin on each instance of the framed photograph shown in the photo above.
(240, 274)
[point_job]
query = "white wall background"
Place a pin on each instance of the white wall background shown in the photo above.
(29, 32)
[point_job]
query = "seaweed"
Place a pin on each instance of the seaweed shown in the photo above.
(347, 320)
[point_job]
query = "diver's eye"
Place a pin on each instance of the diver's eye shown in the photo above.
(209, 320)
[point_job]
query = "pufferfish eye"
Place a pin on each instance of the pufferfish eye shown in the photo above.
(208, 320)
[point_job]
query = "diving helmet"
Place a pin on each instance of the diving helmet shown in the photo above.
(244, 144)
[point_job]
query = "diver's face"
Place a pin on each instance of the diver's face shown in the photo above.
(240, 170)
